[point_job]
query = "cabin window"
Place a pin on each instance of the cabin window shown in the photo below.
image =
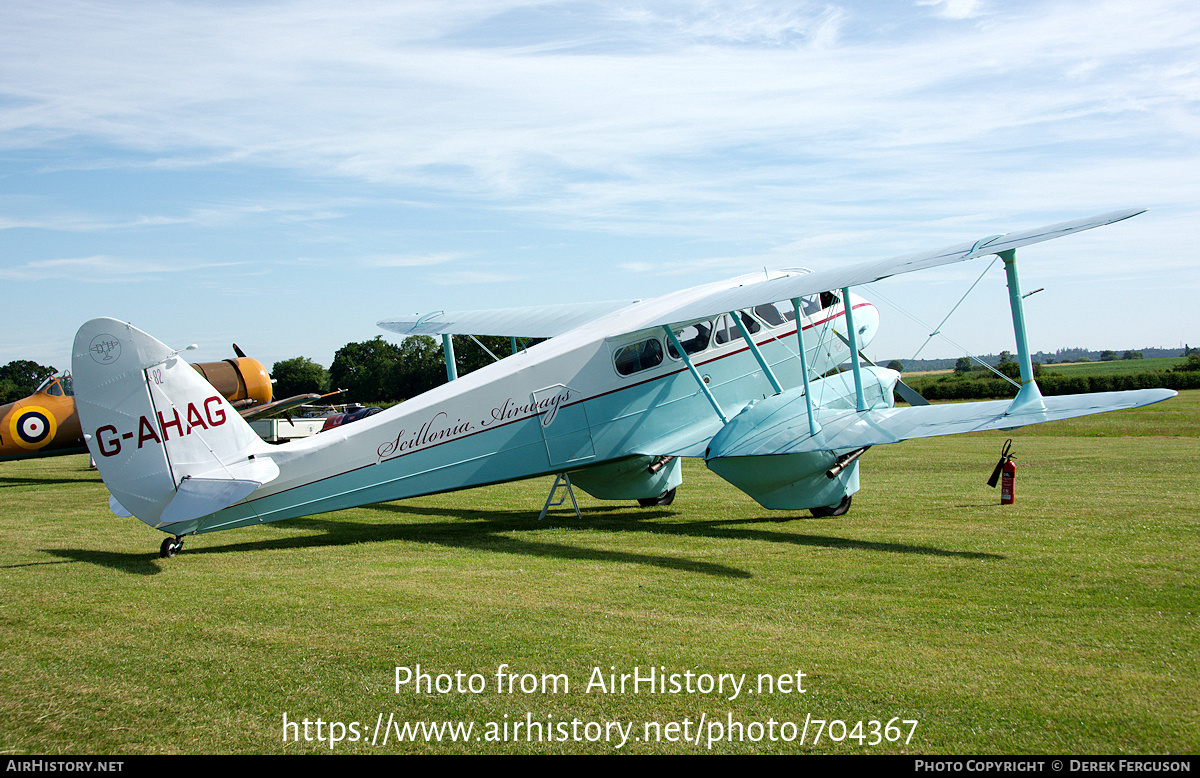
(811, 305)
(635, 357)
(694, 338)
(727, 329)
(770, 314)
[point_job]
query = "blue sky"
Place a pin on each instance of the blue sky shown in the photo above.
(285, 174)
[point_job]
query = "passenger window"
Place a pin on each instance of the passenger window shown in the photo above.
(770, 314)
(693, 338)
(635, 357)
(727, 329)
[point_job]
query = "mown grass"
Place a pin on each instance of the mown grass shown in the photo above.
(1066, 623)
(1116, 366)
(1112, 367)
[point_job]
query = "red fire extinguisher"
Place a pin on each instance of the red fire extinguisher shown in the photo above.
(1006, 473)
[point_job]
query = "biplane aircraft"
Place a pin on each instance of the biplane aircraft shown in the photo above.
(736, 372)
(45, 423)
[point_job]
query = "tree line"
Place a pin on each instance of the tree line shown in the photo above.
(372, 371)
(21, 378)
(379, 371)
(976, 383)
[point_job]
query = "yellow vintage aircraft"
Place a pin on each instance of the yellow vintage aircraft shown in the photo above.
(45, 423)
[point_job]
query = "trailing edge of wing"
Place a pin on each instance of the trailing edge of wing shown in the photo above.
(776, 429)
(539, 321)
(784, 288)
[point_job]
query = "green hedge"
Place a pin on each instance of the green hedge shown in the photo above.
(963, 388)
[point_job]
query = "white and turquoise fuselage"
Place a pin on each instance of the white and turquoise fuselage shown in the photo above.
(575, 403)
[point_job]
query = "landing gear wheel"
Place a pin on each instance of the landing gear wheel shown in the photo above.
(170, 547)
(666, 498)
(832, 510)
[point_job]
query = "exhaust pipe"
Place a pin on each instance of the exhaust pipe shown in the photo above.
(844, 461)
(659, 464)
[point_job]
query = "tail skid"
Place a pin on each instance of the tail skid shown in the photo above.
(169, 447)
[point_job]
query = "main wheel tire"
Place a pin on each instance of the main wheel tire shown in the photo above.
(832, 510)
(168, 548)
(666, 498)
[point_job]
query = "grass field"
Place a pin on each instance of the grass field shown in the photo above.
(1066, 623)
(1115, 366)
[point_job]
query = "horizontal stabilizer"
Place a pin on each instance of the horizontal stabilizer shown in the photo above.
(210, 492)
(787, 433)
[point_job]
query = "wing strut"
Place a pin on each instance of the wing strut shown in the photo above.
(909, 395)
(448, 352)
(813, 427)
(762, 362)
(853, 335)
(695, 374)
(1029, 398)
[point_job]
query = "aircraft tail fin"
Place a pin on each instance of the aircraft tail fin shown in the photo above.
(169, 447)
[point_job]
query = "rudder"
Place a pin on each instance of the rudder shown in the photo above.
(169, 447)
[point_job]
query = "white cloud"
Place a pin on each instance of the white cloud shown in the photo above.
(955, 9)
(101, 269)
(747, 134)
(413, 260)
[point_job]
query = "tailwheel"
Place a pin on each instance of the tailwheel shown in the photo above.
(832, 510)
(170, 547)
(666, 498)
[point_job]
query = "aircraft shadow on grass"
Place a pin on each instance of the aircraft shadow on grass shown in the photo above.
(93, 477)
(487, 530)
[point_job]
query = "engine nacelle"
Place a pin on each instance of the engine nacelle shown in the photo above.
(243, 381)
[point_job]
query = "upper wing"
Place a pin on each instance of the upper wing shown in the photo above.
(539, 321)
(772, 290)
(548, 321)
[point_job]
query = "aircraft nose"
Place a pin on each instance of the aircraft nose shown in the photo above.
(866, 319)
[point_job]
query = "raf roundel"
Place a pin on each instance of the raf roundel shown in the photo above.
(33, 427)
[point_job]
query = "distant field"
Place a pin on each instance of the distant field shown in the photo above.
(1089, 368)
(1066, 623)
(1115, 366)
(919, 373)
